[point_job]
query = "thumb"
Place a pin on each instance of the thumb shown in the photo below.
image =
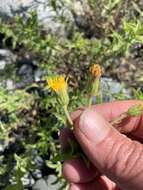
(115, 155)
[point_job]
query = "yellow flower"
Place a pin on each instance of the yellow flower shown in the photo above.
(95, 70)
(59, 85)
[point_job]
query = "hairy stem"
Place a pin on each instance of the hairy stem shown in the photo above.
(70, 122)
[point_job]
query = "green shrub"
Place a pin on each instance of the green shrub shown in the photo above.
(31, 120)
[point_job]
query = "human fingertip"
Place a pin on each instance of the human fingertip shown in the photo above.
(74, 115)
(93, 126)
(76, 171)
(74, 187)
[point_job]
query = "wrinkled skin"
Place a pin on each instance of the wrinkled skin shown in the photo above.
(116, 159)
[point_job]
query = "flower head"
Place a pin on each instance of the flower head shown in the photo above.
(59, 85)
(94, 81)
(95, 70)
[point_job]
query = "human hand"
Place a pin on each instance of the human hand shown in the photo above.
(116, 159)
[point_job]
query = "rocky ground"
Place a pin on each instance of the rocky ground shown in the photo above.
(28, 73)
(129, 70)
(16, 73)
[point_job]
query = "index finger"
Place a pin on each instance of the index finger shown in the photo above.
(110, 111)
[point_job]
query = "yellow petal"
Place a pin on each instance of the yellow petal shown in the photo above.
(57, 83)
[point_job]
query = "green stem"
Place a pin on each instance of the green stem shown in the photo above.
(68, 116)
(90, 101)
(94, 90)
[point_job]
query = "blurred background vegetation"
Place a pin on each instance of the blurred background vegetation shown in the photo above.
(107, 32)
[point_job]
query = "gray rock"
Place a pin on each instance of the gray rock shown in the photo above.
(38, 161)
(109, 87)
(112, 85)
(3, 145)
(40, 185)
(25, 69)
(10, 85)
(52, 184)
(7, 65)
(46, 15)
(37, 174)
(6, 58)
(27, 180)
(47, 184)
(38, 75)
(26, 74)
(1, 148)
(2, 64)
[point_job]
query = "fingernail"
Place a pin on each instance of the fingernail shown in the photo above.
(94, 126)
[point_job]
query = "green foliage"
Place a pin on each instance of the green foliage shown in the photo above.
(138, 94)
(40, 116)
(131, 34)
(136, 110)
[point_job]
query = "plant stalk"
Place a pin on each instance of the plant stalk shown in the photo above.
(90, 101)
(68, 116)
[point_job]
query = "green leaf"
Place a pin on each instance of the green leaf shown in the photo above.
(135, 110)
